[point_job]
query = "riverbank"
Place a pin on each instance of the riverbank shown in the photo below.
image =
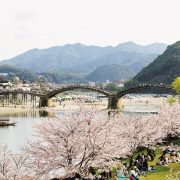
(141, 102)
(136, 104)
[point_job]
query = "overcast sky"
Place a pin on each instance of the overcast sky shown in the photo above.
(27, 24)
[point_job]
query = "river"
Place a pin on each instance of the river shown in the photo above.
(16, 136)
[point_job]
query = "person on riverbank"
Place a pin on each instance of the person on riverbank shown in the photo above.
(133, 175)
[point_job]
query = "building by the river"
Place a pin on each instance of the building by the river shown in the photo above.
(4, 83)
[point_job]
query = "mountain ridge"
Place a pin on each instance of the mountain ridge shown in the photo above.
(164, 69)
(84, 59)
(111, 72)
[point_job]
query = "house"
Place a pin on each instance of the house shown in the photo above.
(4, 83)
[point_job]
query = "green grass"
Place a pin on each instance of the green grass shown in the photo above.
(162, 172)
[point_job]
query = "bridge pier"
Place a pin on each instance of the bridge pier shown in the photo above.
(43, 102)
(113, 102)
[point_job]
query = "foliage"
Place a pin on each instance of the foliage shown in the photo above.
(112, 87)
(171, 99)
(130, 83)
(75, 142)
(11, 165)
(61, 77)
(176, 85)
(13, 72)
(78, 141)
(164, 69)
(111, 72)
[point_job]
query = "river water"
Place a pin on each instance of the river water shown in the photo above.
(16, 136)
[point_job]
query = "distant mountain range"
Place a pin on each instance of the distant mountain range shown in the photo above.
(164, 69)
(112, 72)
(78, 62)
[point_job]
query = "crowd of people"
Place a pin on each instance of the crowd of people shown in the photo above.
(169, 155)
(124, 171)
(136, 167)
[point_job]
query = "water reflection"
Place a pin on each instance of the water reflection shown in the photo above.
(16, 136)
(32, 114)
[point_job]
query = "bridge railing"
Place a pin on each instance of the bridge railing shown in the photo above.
(21, 91)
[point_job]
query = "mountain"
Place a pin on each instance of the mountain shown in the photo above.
(55, 77)
(155, 48)
(79, 58)
(164, 69)
(13, 72)
(109, 72)
(131, 60)
(58, 57)
(59, 77)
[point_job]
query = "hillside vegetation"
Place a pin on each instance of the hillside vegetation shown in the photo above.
(164, 69)
(109, 72)
(13, 72)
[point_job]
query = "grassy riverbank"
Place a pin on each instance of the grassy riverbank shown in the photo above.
(162, 171)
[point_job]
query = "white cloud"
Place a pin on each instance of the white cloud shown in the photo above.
(27, 24)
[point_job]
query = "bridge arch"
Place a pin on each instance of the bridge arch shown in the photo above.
(114, 101)
(113, 98)
(142, 87)
(68, 88)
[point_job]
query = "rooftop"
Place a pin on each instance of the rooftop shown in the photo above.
(3, 80)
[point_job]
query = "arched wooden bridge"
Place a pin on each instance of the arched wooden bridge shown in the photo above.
(15, 97)
(36, 93)
(113, 97)
(142, 87)
(72, 87)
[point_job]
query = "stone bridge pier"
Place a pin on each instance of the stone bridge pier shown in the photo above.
(43, 102)
(113, 102)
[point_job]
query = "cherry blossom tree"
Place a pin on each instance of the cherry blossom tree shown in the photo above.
(153, 129)
(11, 165)
(79, 140)
(76, 141)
